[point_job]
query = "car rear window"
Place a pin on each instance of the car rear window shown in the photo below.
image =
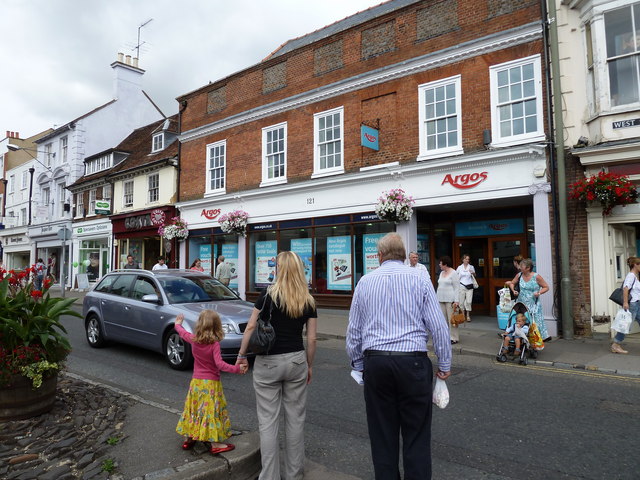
(122, 285)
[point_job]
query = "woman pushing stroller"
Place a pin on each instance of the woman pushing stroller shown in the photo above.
(532, 285)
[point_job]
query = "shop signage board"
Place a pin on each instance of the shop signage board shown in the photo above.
(303, 247)
(265, 262)
(490, 227)
(103, 207)
(83, 281)
(369, 137)
(634, 122)
(339, 263)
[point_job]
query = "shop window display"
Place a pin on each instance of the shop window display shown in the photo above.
(93, 258)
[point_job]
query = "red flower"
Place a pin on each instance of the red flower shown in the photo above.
(36, 293)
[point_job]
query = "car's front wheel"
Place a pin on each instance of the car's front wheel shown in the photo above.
(177, 351)
(95, 338)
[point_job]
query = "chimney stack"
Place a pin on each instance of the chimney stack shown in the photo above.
(121, 57)
(127, 59)
(135, 62)
(8, 134)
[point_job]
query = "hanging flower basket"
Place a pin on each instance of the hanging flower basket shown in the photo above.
(395, 206)
(608, 189)
(234, 222)
(178, 229)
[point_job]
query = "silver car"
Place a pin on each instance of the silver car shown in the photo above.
(139, 307)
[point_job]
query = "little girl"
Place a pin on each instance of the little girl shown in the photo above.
(205, 415)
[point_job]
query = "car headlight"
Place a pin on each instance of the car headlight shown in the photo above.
(228, 328)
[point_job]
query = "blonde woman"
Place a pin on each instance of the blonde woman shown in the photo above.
(280, 378)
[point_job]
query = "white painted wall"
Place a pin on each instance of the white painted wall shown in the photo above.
(168, 184)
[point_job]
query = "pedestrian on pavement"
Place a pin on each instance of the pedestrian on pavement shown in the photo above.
(39, 273)
(160, 265)
(197, 265)
(281, 376)
(630, 300)
(223, 271)
(532, 285)
(393, 310)
(516, 263)
(466, 274)
(205, 416)
(130, 263)
(448, 294)
(413, 262)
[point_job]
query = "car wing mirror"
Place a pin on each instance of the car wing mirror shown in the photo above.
(150, 298)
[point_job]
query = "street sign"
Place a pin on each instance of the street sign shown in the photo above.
(64, 234)
(103, 207)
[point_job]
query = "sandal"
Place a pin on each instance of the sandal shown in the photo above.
(188, 444)
(227, 448)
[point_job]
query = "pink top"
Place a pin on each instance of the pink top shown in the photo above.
(207, 358)
(197, 269)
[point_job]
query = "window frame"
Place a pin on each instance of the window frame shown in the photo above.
(321, 172)
(79, 205)
(64, 146)
(538, 135)
(220, 190)
(46, 199)
(157, 142)
(62, 197)
(424, 152)
(93, 195)
(126, 204)
(265, 156)
(156, 188)
(25, 180)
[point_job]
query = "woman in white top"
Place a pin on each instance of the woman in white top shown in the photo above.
(631, 300)
(466, 273)
(447, 293)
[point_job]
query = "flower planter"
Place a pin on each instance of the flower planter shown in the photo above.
(20, 400)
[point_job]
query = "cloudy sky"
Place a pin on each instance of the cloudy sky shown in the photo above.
(56, 54)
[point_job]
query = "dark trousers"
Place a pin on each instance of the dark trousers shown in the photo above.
(398, 395)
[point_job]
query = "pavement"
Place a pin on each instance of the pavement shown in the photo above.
(150, 449)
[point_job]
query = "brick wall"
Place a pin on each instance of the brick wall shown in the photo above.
(393, 105)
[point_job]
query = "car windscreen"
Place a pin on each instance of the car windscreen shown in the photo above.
(194, 289)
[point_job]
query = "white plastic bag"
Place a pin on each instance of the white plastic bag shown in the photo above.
(440, 393)
(622, 322)
(505, 300)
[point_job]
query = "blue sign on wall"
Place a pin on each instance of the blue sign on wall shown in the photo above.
(369, 137)
(490, 227)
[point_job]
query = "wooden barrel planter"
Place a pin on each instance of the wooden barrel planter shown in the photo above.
(20, 400)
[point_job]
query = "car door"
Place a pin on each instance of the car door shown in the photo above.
(145, 321)
(113, 307)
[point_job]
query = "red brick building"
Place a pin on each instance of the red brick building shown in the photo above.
(455, 94)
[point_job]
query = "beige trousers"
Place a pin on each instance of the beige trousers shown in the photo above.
(281, 381)
(447, 311)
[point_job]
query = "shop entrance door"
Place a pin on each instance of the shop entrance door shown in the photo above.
(492, 259)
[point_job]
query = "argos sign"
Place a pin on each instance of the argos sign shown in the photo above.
(210, 214)
(468, 180)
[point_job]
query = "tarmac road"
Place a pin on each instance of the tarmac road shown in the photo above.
(559, 423)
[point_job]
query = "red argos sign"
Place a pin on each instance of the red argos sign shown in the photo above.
(468, 180)
(210, 214)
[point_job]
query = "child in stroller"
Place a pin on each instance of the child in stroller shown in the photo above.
(515, 341)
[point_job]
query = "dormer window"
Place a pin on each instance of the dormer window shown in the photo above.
(98, 164)
(158, 142)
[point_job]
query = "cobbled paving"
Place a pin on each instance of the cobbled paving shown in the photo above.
(72, 441)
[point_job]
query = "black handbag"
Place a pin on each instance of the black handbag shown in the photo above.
(618, 294)
(468, 287)
(263, 336)
(516, 286)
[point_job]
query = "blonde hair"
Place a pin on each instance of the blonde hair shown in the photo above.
(208, 328)
(290, 292)
(521, 316)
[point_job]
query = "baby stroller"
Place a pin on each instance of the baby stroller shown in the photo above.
(525, 348)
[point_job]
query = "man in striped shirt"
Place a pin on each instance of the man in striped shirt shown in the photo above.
(394, 309)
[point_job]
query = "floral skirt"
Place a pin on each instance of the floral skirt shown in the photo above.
(205, 416)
